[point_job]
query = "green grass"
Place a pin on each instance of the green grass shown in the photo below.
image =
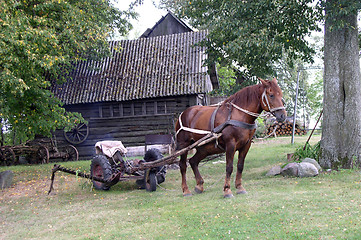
(324, 207)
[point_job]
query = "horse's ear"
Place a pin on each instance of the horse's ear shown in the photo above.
(264, 82)
(274, 80)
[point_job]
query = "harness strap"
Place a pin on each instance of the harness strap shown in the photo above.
(264, 96)
(245, 111)
(193, 130)
(219, 128)
(213, 117)
(234, 123)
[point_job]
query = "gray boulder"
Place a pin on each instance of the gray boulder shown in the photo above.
(314, 162)
(276, 170)
(307, 169)
(290, 169)
(6, 179)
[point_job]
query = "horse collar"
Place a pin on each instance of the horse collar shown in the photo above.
(229, 121)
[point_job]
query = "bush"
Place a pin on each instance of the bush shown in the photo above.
(307, 152)
(261, 128)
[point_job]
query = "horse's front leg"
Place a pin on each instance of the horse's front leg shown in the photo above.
(230, 150)
(241, 157)
(194, 162)
(183, 170)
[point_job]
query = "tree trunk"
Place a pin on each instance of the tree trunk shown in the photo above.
(341, 129)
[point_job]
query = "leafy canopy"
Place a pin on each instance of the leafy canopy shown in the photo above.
(251, 34)
(38, 41)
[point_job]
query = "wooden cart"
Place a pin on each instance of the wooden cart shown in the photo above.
(37, 152)
(106, 171)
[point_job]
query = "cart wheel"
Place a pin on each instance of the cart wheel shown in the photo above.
(150, 180)
(42, 155)
(9, 156)
(77, 134)
(72, 153)
(101, 168)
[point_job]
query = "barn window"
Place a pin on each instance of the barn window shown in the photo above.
(127, 110)
(161, 108)
(116, 110)
(138, 108)
(134, 109)
(149, 108)
(106, 111)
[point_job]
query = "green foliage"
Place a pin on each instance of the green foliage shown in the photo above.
(38, 41)
(251, 34)
(307, 152)
(261, 128)
(338, 11)
(227, 82)
(230, 81)
(315, 96)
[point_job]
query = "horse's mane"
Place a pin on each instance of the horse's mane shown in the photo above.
(245, 95)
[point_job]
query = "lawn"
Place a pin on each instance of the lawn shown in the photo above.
(324, 207)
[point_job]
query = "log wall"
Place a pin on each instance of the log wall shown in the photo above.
(128, 122)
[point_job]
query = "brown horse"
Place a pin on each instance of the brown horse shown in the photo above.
(235, 120)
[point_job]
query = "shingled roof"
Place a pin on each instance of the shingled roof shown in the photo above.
(161, 66)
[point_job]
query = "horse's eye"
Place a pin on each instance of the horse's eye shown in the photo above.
(271, 96)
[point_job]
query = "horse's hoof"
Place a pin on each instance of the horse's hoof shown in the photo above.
(228, 195)
(187, 194)
(242, 192)
(197, 190)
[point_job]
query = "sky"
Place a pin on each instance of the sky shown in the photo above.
(149, 15)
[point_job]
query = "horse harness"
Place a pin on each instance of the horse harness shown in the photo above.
(219, 128)
(229, 121)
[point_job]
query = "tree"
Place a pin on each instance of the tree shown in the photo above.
(341, 130)
(39, 41)
(230, 81)
(251, 34)
(256, 34)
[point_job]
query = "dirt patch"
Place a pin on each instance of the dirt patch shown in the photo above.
(37, 187)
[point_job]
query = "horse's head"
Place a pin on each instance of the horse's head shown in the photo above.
(271, 100)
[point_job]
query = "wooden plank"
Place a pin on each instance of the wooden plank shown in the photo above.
(172, 158)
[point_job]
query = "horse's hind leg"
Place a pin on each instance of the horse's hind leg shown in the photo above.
(183, 170)
(194, 162)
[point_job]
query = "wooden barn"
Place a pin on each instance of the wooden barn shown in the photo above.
(141, 89)
(168, 24)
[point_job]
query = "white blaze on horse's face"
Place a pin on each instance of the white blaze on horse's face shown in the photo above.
(271, 99)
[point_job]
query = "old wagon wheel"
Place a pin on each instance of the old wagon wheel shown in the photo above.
(71, 153)
(8, 157)
(42, 154)
(77, 134)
